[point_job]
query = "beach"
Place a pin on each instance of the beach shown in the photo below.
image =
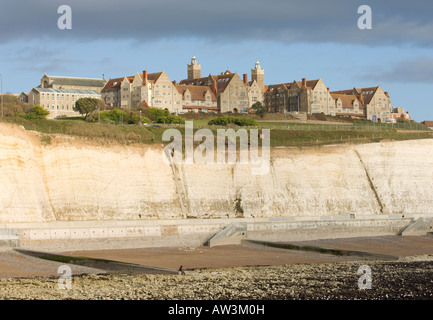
(241, 272)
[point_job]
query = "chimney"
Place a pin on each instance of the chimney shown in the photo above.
(328, 89)
(245, 78)
(174, 82)
(214, 87)
(304, 82)
(144, 76)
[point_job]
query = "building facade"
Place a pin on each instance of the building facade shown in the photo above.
(143, 89)
(233, 93)
(197, 98)
(376, 102)
(348, 105)
(60, 102)
(306, 96)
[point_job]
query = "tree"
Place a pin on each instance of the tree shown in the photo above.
(85, 106)
(259, 109)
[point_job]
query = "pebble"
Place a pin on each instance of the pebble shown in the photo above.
(309, 281)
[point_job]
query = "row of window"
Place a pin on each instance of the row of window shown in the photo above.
(57, 107)
(58, 96)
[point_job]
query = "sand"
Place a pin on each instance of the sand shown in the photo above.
(242, 272)
(15, 264)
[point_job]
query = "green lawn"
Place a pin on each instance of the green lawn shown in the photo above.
(282, 134)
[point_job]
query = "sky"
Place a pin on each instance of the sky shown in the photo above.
(292, 39)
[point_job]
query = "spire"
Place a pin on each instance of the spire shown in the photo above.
(257, 64)
(194, 60)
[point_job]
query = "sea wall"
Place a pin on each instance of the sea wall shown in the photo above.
(70, 179)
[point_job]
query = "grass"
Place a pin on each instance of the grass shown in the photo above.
(282, 134)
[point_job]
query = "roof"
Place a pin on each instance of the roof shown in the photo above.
(222, 80)
(197, 92)
(428, 123)
(310, 83)
(73, 81)
(152, 76)
(74, 91)
(278, 86)
(367, 93)
(113, 84)
(206, 81)
(347, 100)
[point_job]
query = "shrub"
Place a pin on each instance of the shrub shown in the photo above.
(224, 121)
(113, 116)
(37, 112)
(156, 114)
(170, 119)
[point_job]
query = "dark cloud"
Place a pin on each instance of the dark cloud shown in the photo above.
(415, 70)
(284, 21)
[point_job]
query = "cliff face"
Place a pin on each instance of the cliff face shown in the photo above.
(72, 180)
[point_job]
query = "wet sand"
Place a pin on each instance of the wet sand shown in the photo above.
(243, 272)
(15, 264)
(253, 255)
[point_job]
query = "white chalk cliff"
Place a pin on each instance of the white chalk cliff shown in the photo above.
(71, 180)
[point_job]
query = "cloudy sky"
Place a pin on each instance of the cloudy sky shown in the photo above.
(292, 39)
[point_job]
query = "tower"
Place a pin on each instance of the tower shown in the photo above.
(258, 74)
(194, 69)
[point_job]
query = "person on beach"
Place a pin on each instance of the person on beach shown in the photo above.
(181, 270)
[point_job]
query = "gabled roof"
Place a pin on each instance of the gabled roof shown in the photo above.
(366, 93)
(278, 86)
(347, 100)
(222, 80)
(310, 83)
(73, 81)
(153, 76)
(114, 84)
(197, 92)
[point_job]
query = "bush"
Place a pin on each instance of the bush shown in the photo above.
(224, 121)
(170, 119)
(113, 116)
(157, 115)
(37, 112)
